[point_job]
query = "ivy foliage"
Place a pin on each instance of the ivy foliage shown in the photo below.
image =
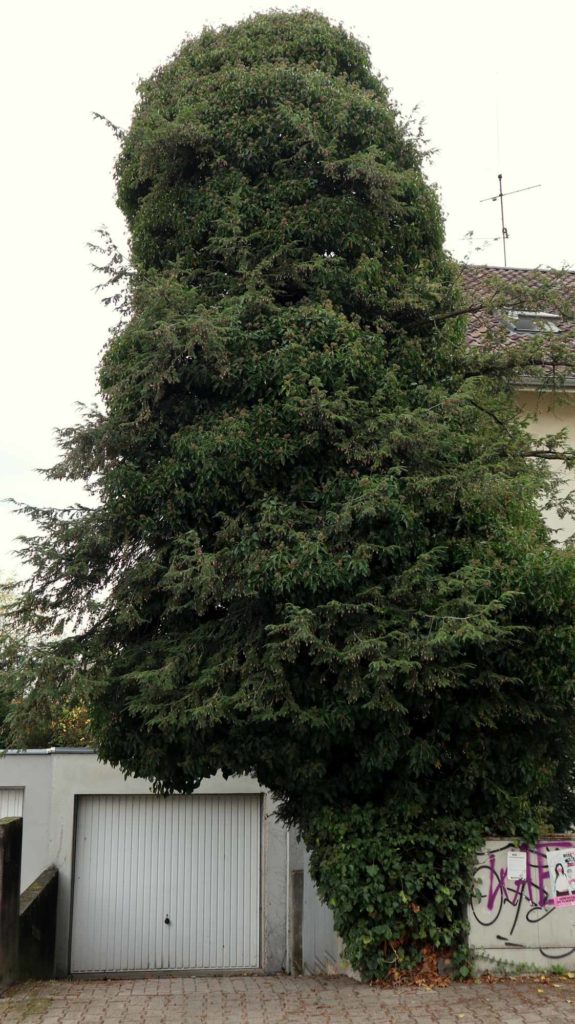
(315, 551)
(384, 876)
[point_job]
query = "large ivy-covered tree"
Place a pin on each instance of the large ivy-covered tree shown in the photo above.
(315, 552)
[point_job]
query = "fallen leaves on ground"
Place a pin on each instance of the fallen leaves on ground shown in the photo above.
(426, 975)
(429, 975)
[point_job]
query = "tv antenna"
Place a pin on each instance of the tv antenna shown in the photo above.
(500, 196)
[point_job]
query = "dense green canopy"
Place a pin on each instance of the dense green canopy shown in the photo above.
(316, 552)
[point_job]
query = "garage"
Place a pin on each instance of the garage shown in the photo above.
(166, 883)
(11, 802)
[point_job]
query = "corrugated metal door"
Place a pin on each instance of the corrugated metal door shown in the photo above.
(11, 803)
(166, 883)
(320, 945)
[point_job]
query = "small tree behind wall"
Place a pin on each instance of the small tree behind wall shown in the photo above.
(317, 553)
(40, 703)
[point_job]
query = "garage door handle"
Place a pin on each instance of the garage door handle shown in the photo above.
(167, 920)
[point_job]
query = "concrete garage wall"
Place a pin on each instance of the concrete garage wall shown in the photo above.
(509, 921)
(32, 772)
(53, 781)
(321, 945)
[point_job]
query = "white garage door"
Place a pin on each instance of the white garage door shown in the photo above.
(11, 803)
(166, 883)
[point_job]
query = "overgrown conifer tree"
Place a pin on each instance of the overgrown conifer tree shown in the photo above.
(316, 552)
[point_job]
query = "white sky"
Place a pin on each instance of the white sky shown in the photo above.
(493, 79)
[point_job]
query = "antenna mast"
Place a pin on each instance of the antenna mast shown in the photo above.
(499, 196)
(503, 228)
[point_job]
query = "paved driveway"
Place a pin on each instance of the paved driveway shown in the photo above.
(281, 1000)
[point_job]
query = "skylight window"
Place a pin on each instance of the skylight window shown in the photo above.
(523, 321)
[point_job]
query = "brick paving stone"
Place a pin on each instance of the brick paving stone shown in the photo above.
(283, 1000)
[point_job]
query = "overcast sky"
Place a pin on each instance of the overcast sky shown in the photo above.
(493, 80)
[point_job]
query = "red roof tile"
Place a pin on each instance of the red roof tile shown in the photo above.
(491, 291)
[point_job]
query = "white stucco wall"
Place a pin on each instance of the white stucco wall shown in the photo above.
(553, 413)
(52, 781)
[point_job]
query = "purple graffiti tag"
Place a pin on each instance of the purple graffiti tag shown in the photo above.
(511, 906)
(499, 887)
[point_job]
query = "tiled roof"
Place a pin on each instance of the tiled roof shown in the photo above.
(491, 291)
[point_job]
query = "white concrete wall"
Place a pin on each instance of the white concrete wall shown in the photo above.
(54, 779)
(510, 922)
(513, 922)
(33, 772)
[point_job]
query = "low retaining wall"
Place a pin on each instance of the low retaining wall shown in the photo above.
(512, 920)
(515, 920)
(38, 906)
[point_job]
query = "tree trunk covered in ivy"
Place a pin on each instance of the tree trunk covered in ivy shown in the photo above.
(316, 552)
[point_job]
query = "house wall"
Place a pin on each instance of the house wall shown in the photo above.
(553, 413)
(53, 780)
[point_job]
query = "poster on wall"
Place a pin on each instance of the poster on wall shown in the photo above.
(516, 865)
(561, 867)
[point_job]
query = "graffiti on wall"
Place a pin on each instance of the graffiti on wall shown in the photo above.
(520, 913)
